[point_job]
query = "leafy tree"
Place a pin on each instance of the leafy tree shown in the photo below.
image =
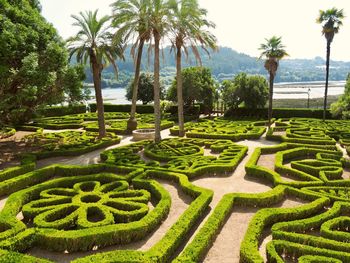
(132, 20)
(272, 52)
(188, 28)
(341, 108)
(145, 89)
(93, 43)
(34, 66)
(331, 21)
(198, 85)
(250, 90)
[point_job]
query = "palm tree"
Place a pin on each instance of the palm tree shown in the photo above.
(131, 19)
(159, 25)
(93, 43)
(187, 22)
(272, 51)
(331, 21)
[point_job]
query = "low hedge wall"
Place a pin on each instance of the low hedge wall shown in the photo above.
(123, 108)
(277, 113)
(61, 110)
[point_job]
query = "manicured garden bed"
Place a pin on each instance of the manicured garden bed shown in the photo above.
(124, 200)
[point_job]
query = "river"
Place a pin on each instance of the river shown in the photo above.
(290, 90)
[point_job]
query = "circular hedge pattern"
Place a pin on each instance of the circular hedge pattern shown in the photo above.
(87, 204)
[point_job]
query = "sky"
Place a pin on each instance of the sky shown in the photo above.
(241, 24)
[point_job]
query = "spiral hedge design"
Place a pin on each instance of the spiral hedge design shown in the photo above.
(73, 208)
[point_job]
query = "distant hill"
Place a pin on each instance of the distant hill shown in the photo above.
(226, 63)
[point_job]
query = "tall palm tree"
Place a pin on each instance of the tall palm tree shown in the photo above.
(159, 25)
(187, 29)
(331, 21)
(93, 43)
(130, 17)
(272, 52)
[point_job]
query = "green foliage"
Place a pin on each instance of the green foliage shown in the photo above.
(179, 155)
(198, 85)
(69, 143)
(145, 90)
(242, 113)
(6, 132)
(221, 128)
(123, 108)
(250, 90)
(33, 63)
(341, 108)
(61, 110)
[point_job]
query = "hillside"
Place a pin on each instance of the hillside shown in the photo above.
(224, 64)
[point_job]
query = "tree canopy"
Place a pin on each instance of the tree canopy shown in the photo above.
(251, 91)
(145, 88)
(198, 85)
(33, 63)
(341, 108)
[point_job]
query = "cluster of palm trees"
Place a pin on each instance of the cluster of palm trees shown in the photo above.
(182, 23)
(273, 51)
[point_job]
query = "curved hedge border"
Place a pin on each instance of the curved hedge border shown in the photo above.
(308, 173)
(203, 240)
(293, 237)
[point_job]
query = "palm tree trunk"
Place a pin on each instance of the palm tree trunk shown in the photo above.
(180, 101)
(272, 77)
(157, 137)
(327, 77)
(132, 122)
(96, 73)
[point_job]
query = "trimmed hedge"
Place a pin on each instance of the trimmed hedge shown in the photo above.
(61, 110)
(123, 108)
(175, 153)
(221, 128)
(175, 236)
(69, 143)
(7, 132)
(277, 113)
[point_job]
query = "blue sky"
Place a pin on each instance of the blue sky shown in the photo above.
(241, 24)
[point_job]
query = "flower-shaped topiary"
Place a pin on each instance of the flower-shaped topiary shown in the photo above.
(87, 204)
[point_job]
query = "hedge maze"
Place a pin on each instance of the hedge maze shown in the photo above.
(123, 200)
(221, 128)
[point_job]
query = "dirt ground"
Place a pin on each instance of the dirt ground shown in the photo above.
(11, 147)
